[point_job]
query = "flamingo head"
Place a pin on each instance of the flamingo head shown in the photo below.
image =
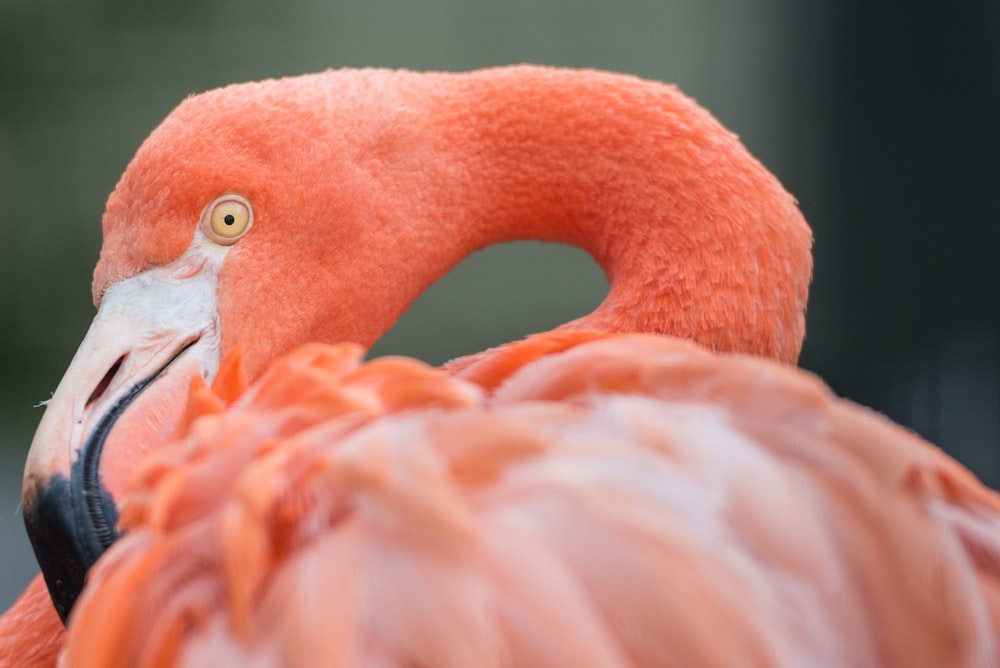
(216, 238)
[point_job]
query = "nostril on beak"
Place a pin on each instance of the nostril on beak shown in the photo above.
(105, 382)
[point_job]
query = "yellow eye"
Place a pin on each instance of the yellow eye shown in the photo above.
(228, 219)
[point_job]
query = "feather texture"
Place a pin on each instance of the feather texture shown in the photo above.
(629, 501)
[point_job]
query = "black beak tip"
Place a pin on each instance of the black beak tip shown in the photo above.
(67, 538)
(71, 521)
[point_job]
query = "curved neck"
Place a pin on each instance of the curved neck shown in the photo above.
(698, 240)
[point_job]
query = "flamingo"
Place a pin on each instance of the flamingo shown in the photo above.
(653, 483)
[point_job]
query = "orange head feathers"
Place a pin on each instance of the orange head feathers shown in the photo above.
(262, 216)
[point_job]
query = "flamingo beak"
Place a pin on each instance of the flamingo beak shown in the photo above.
(121, 397)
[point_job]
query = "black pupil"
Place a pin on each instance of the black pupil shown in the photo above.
(229, 219)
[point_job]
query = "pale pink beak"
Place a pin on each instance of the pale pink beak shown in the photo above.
(121, 396)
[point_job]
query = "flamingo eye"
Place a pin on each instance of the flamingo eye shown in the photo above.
(227, 219)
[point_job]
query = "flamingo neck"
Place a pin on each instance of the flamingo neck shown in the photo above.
(697, 239)
(31, 633)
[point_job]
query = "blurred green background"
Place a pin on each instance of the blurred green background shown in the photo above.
(882, 121)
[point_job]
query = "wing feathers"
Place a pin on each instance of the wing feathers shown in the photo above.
(627, 501)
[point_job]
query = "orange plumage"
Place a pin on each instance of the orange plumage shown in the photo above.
(602, 495)
(30, 632)
(632, 500)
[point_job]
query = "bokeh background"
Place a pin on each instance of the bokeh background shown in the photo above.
(882, 118)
